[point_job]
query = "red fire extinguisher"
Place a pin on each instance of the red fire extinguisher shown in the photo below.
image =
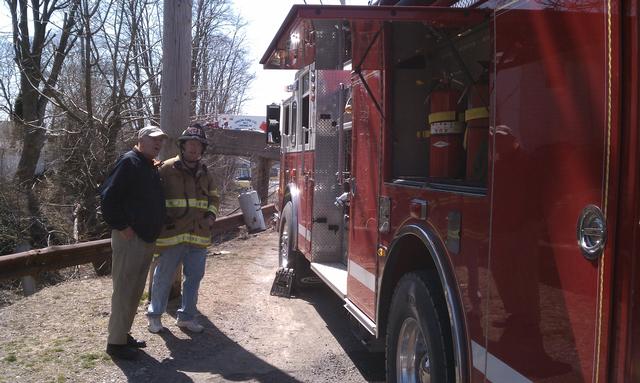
(446, 159)
(477, 135)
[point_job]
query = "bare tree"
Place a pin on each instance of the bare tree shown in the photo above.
(87, 76)
(220, 69)
(38, 78)
(210, 18)
(9, 78)
(149, 57)
(113, 87)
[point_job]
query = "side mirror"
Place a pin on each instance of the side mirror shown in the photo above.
(273, 124)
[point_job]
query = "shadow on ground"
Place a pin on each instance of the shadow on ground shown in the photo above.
(213, 356)
(226, 360)
(330, 307)
(229, 361)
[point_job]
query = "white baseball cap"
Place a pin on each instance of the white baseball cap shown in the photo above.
(151, 131)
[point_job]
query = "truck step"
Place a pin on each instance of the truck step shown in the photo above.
(334, 274)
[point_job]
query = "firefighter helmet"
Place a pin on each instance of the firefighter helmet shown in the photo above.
(194, 132)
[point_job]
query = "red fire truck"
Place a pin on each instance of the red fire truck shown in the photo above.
(464, 175)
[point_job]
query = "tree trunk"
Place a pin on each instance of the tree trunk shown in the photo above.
(29, 55)
(33, 141)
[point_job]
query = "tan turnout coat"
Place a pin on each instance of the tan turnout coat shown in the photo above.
(190, 198)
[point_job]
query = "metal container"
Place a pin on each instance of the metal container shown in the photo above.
(251, 211)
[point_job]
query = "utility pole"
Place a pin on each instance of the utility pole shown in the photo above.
(176, 89)
(176, 72)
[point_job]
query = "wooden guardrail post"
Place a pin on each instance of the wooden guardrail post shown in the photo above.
(28, 282)
(28, 285)
(261, 168)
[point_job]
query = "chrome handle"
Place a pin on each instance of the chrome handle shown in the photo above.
(342, 200)
(592, 232)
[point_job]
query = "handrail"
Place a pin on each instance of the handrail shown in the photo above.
(35, 261)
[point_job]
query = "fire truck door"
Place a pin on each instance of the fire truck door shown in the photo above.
(306, 190)
(554, 115)
(306, 164)
(363, 239)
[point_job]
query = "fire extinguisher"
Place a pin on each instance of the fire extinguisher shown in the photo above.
(446, 159)
(477, 134)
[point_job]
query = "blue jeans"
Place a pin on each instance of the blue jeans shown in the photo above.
(193, 262)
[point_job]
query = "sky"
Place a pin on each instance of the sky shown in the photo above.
(263, 23)
(263, 18)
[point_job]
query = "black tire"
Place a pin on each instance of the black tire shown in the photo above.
(289, 256)
(418, 308)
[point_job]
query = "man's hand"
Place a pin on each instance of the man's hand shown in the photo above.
(127, 233)
(211, 219)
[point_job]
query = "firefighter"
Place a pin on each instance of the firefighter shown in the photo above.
(192, 205)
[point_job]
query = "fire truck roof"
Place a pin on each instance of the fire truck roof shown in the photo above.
(294, 45)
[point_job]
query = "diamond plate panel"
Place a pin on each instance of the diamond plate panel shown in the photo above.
(465, 3)
(328, 227)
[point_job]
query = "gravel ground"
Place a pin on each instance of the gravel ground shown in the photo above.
(58, 334)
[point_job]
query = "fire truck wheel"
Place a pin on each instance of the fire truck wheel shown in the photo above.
(418, 345)
(286, 250)
(289, 256)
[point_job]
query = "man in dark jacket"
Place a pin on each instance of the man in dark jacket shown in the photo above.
(133, 206)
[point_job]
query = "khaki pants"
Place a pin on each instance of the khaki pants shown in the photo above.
(130, 262)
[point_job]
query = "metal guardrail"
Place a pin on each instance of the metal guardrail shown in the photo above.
(33, 262)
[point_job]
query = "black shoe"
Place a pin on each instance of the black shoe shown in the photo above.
(133, 342)
(122, 351)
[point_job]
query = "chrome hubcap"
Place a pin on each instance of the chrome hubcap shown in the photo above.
(284, 246)
(412, 358)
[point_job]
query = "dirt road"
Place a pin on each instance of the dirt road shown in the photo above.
(58, 334)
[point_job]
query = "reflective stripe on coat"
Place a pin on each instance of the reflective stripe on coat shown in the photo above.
(190, 197)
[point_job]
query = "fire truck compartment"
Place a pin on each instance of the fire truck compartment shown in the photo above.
(439, 104)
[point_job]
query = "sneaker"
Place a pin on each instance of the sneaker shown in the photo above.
(122, 351)
(190, 325)
(155, 324)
